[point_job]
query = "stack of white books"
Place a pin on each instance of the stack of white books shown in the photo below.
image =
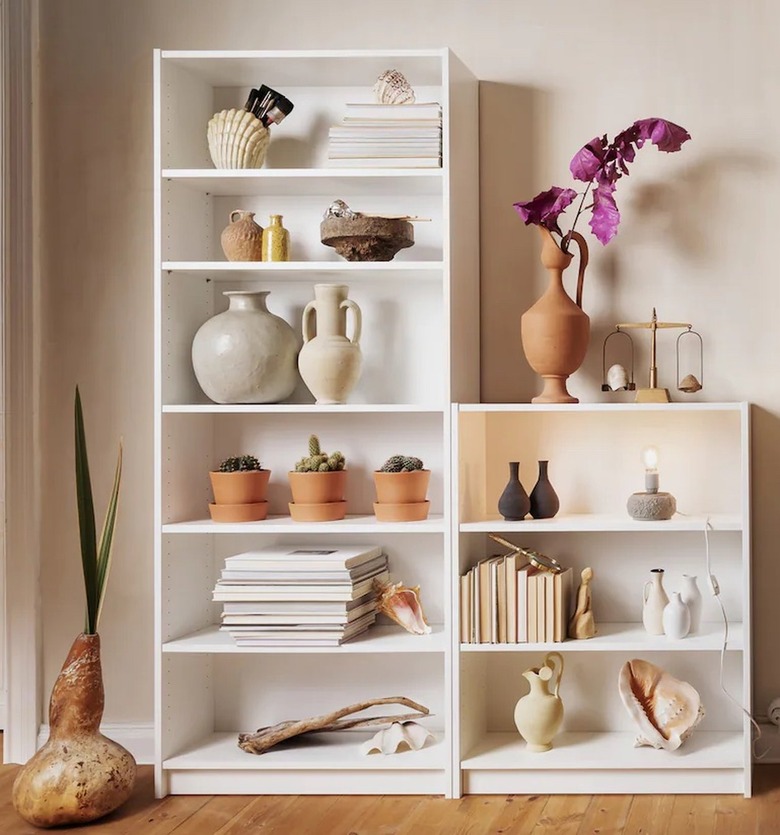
(300, 596)
(387, 136)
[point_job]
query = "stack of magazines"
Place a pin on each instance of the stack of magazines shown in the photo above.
(387, 136)
(299, 595)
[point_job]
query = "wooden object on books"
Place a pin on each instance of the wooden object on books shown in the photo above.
(582, 625)
(266, 738)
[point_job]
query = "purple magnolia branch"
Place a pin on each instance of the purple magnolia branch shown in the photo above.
(600, 164)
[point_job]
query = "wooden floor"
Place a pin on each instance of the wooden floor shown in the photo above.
(477, 815)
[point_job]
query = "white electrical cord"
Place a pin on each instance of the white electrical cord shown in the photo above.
(715, 588)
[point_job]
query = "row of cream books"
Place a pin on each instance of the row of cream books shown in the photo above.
(505, 600)
(387, 136)
(300, 595)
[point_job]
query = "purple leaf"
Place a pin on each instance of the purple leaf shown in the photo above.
(545, 208)
(606, 217)
(666, 136)
(589, 159)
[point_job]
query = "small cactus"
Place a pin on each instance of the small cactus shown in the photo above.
(318, 461)
(401, 464)
(240, 464)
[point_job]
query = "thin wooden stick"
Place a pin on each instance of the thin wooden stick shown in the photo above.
(266, 738)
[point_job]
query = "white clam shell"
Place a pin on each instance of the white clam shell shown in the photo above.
(392, 88)
(237, 139)
(617, 377)
(665, 709)
(398, 736)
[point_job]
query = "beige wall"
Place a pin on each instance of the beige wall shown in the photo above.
(699, 239)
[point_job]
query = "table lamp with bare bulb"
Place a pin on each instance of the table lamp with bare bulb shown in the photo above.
(652, 505)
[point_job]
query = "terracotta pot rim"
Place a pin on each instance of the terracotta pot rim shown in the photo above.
(403, 472)
(240, 472)
(327, 472)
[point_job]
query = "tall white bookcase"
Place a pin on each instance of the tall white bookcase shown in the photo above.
(421, 353)
(595, 464)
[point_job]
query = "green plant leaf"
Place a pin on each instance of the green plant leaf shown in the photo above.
(106, 539)
(86, 509)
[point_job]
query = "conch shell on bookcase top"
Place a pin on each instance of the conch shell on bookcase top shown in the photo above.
(665, 709)
(392, 88)
(402, 604)
(399, 736)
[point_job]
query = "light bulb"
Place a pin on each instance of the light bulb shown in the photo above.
(650, 460)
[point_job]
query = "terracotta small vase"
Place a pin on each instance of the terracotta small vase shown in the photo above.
(79, 775)
(238, 488)
(242, 238)
(544, 500)
(514, 503)
(555, 331)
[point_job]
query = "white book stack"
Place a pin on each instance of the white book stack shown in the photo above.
(300, 596)
(387, 136)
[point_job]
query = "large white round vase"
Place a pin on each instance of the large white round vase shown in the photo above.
(246, 354)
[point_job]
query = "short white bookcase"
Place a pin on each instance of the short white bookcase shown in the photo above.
(594, 453)
(421, 353)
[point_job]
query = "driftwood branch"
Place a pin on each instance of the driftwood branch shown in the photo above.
(265, 738)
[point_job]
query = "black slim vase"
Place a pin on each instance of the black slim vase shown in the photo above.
(544, 500)
(514, 503)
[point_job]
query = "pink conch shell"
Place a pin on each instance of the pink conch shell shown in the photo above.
(665, 709)
(402, 604)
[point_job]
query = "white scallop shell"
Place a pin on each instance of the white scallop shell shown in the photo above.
(617, 377)
(392, 88)
(237, 139)
(665, 709)
(398, 736)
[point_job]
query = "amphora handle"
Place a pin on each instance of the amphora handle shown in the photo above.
(582, 245)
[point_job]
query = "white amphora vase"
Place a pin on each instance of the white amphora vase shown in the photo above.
(329, 361)
(539, 714)
(691, 597)
(655, 601)
(677, 618)
(246, 354)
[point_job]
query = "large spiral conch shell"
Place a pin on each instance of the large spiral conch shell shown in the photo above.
(398, 736)
(665, 709)
(392, 88)
(402, 604)
(237, 139)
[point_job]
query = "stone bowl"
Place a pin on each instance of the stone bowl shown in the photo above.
(367, 238)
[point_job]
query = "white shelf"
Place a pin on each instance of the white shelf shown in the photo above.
(298, 409)
(604, 522)
(377, 639)
(508, 752)
(285, 524)
(340, 751)
(629, 637)
(307, 270)
(602, 407)
(309, 181)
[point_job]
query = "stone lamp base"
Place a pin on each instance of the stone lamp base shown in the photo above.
(651, 507)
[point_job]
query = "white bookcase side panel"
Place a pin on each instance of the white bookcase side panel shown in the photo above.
(188, 575)
(187, 104)
(187, 454)
(473, 721)
(187, 699)
(471, 460)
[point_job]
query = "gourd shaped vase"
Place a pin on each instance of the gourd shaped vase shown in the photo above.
(242, 238)
(539, 714)
(544, 500)
(691, 597)
(330, 362)
(655, 601)
(555, 331)
(79, 775)
(514, 503)
(246, 354)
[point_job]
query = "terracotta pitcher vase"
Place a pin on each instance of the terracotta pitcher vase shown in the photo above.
(79, 775)
(330, 362)
(555, 331)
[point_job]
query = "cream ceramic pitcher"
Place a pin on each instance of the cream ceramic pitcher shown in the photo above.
(655, 601)
(539, 714)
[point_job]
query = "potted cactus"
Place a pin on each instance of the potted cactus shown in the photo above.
(240, 486)
(401, 487)
(318, 483)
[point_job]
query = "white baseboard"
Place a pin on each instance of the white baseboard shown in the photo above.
(138, 739)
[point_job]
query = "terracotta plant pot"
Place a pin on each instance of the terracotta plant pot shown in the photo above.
(318, 488)
(555, 331)
(79, 775)
(403, 512)
(318, 512)
(240, 488)
(254, 512)
(400, 488)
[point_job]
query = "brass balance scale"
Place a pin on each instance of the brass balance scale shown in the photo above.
(616, 378)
